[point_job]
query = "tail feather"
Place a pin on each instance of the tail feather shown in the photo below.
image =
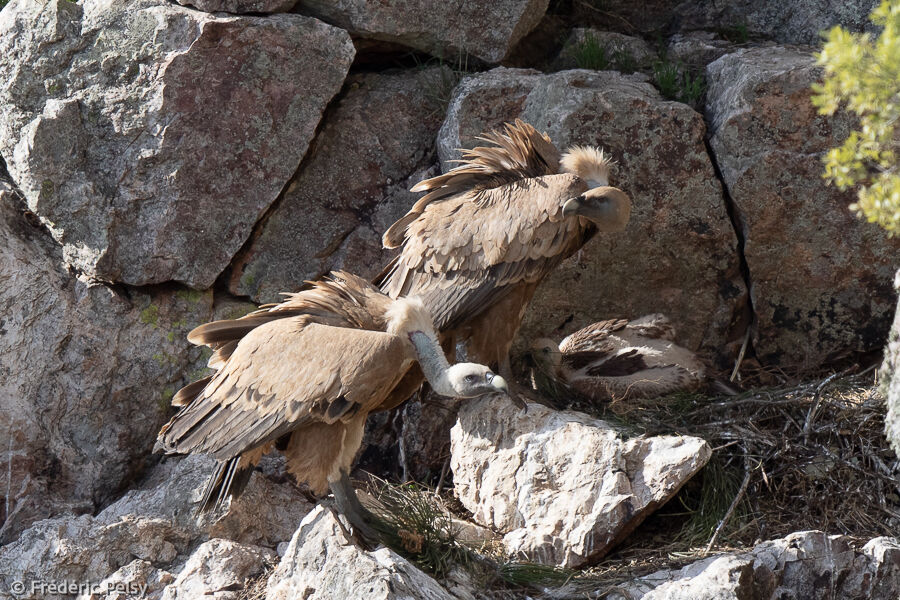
(227, 482)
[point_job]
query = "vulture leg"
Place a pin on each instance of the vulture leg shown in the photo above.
(348, 504)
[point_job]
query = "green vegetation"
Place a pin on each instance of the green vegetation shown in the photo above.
(625, 61)
(412, 522)
(150, 315)
(675, 82)
(589, 54)
(863, 74)
(739, 34)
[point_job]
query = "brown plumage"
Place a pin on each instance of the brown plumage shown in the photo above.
(304, 374)
(620, 360)
(476, 246)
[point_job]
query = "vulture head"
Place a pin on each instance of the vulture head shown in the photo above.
(470, 380)
(545, 355)
(607, 207)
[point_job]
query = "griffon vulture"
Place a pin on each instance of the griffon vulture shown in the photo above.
(303, 375)
(476, 246)
(619, 360)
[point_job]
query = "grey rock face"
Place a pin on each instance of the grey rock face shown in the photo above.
(890, 377)
(796, 22)
(562, 486)
(241, 6)
(376, 144)
(678, 254)
(486, 30)
(149, 137)
(320, 564)
(820, 277)
(218, 568)
(807, 564)
(155, 526)
(620, 52)
(86, 374)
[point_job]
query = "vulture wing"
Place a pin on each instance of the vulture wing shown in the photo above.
(594, 337)
(282, 375)
(462, 254)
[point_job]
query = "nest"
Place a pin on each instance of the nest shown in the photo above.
(810, 456)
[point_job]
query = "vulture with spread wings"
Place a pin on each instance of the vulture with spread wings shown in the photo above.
(476, 246)
(617, 360)
(303, 375)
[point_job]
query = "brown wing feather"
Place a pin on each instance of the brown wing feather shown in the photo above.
(461, 255)
(282, 375)
(593, 338)
(521, 152)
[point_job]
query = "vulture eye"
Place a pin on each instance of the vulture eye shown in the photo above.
(545, 350)
(470, 378)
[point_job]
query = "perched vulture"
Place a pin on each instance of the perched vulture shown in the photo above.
(303, 375)
(619, 360)
(476, 246)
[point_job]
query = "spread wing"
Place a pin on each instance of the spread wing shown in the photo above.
(462, 254)
(282, 375)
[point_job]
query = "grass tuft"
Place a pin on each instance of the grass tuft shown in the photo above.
(589, 54)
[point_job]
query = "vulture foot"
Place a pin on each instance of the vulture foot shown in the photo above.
(360, 518)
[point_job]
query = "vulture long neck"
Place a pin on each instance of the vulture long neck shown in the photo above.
(409, 318)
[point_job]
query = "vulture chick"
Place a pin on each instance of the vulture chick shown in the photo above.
(303, 375)
(476, 246)
(619, 360)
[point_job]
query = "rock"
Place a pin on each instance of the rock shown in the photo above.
(321, 564)
(148, 137)
(678, 255)
(375, 144)
(696, 49)
(137, 579)
(219, 568)
(241, 6)
(425, 437)
(890, 377)
(619, 52)
(820, 278)
(808, 564)
(798, 22)
(563, 487)
(86, 373)
(485, 30)
(156, 525)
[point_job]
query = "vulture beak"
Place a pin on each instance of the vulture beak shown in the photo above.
(608, 208)
(498, 383)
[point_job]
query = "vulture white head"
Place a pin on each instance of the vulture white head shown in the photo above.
(607, 207)
(470, 380)
(408, 316)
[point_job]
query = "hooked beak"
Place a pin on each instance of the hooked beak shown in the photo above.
(607, 207)
(498, 383)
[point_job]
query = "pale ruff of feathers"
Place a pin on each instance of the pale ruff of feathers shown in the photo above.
(589, 163)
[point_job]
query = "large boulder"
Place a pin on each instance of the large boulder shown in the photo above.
(677, 256)
(447, 29)
(86, 374)
(219, 568)
(820, 278)
(807, 564)
(795, 22)
(321, 563)
(149, 537)
(149, 137)
(376, 143)
(563, 487)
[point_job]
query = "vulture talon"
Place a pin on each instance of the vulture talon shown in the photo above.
(360, 518)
